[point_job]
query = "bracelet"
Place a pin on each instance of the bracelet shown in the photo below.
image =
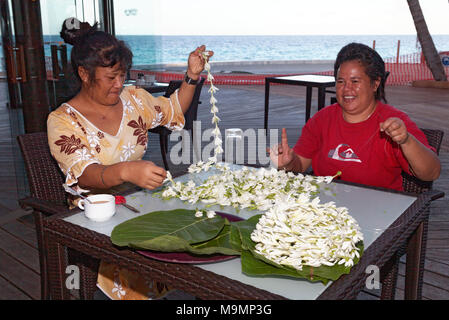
(101, 175)
(406, 138)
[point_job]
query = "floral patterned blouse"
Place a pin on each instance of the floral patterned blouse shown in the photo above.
(76, 143)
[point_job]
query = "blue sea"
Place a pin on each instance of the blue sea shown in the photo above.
(175, 49)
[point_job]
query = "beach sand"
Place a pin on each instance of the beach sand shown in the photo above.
(252, 67)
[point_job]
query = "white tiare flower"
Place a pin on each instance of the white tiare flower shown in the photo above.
(213, 89)
(213, 100)
(118, 289)
(207, 66)
(214, 109)
(210, 77)
(168, 178)
(138, 101)
(218, 141)
(83, 154)
(127, 107)
(215, 119)
(92, 138)
(127, 151)
(157, 120)
(198, 213)
(211, 214)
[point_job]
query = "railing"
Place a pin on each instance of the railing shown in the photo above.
(403, 69)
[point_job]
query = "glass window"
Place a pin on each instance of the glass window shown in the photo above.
(135, 24)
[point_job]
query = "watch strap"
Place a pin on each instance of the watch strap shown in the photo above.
(189, 80)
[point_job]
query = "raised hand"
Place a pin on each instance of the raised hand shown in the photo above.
(281, 155)
(396, 129)
(195, 64)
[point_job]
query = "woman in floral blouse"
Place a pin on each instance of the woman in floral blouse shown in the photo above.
(100, 136)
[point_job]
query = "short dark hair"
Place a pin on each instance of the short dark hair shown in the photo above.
(369, 59)
(93, 48)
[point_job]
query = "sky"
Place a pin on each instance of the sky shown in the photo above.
(256, 17)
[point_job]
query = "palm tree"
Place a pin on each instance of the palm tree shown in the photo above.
(428, 47)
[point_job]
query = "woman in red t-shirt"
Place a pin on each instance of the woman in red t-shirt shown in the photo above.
(368, 141)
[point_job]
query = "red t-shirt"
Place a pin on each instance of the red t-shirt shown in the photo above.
(360, 151)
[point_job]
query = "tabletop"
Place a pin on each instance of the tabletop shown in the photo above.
(154, 87)
(308, 78)
(375, 211)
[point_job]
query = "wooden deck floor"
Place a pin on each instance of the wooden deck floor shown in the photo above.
(241, 107)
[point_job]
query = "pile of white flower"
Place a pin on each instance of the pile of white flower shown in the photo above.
(256, 189)
(296, 228)
(295, 234)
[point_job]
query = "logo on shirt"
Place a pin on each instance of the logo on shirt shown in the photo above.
(343, 153)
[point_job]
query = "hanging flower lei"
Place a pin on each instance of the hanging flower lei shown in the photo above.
(214, 110)
(218, 150)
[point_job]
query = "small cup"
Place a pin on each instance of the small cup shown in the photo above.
(234, 136)
(100, 208)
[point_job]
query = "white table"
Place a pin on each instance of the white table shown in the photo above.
(374, 210)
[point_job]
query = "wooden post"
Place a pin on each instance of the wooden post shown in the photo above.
(397, 53)
(33, 87)
(374, 44)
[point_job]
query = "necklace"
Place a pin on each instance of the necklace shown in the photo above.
(365, 118)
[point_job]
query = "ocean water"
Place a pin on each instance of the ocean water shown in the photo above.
(175, 49)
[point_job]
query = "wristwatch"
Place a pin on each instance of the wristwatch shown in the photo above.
(190, 80)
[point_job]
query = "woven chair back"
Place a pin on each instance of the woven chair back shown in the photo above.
(191, 114)
(45, 179)
(413, 184)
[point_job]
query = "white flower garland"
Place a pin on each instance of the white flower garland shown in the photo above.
(214, 110)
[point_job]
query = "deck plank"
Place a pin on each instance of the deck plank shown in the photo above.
(21, 276)
(11, 245)
(10, 292)
(22, 231)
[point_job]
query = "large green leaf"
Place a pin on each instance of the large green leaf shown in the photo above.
(253, 266)
(157, 227)
(245, 228)
(176, 231)
(220, 244)
(256, 264)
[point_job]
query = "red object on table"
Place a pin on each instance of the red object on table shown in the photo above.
(120, 199)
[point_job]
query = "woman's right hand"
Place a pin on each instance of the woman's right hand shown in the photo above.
(144, 174)
(282, 155)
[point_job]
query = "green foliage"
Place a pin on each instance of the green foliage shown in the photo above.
(180, 231)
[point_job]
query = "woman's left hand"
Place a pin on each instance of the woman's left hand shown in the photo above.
(396, 129)
(196, 62)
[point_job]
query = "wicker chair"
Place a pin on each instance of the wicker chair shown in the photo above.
(47, 198)
(189, 116)
(413, 185)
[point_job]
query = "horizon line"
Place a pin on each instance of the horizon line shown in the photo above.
(264, 35)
